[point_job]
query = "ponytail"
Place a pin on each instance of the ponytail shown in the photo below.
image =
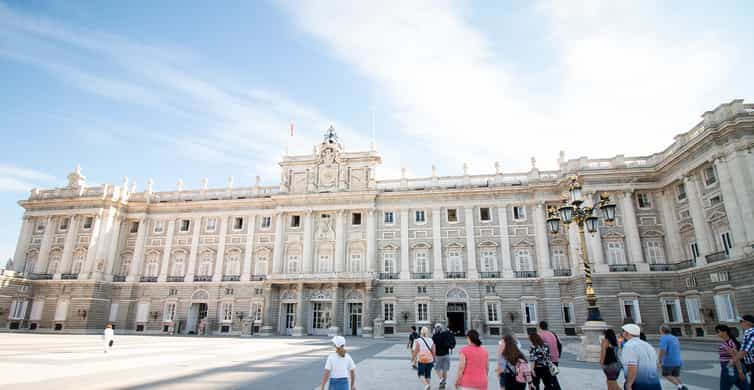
(341, 351)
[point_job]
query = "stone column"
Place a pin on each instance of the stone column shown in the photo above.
(541, 240)
(267, 315)
(366, 322)
(505, 242)
(673, 241)
(277, 251)
(112, 253)
(701, 228)
(248, 252)
(743, 184)
(299, 330)
(371, 240)
(94, 243)
(593, 242)
(19, 258)
(217, 276)
(340, 241)
(68, 245)
(191, 269)
(133, 274)
(106, 230)
(405, 269)
(44, 248)
(168, 247)
(334, 328)
(470, 243)
(732, 208)
(437, 270)
(631, 230)
(307, 258)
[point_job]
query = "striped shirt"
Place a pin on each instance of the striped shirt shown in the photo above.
(726, 350)
(748, 346)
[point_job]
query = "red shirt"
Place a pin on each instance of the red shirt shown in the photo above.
(475, 371)
(552, 343)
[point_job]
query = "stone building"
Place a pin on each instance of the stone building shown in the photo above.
(333, 250)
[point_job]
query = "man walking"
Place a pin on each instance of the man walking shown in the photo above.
(444, 343)
(747, 347)
(411, 337)
(669, 359)
(639, 360)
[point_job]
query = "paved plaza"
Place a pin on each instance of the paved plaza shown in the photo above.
(38, 361)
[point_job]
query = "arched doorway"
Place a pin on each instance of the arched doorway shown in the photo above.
(197, 314)
(354, 310)
(456, 310)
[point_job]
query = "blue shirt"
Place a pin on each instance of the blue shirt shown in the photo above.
(748, 346)
(672, 348)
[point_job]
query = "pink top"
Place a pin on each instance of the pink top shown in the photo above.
(552, 343)
(475, 371)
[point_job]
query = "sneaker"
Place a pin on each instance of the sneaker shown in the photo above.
(426, 387)
(442, 385)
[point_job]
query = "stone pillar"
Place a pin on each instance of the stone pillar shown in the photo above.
(191, 269)
(437, 270)
(267, 315)
(366, 324)
(112, 253)
(732, 208)
(298, 329)
(217, 276)
(701, 228)
(575, 253)
(334, 328)
(68, 245)
(106, 230)
(673, 241)
(743, 161)
(405, 269)
(307, 258)
(248, 252)
(168, 247)
(541, 239)
(44, 248)
(371, 241)
(593, 242)
(19, 258)
(631, 230)
(470, 243)
(505, 242)
(277, 251)
(133, 274)
(340, 241)
(94, 243)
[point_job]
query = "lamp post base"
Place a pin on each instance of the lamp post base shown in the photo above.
(589, 350)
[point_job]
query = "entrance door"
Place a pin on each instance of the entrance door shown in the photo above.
(290, 317)
(457, 318)
(354, 317)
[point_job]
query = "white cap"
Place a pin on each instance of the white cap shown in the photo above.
(632, 329)
(339, 341)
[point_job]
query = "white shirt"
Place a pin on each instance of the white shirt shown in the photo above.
(109, 334)
(639, 353)
(339, 367)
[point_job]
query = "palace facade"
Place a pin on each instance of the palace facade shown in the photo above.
(333, 250)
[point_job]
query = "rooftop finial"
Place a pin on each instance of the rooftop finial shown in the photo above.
(76, 179)
(497, 167)
(331, 137)
(533, 163)
(205, 183)
(434, 170)
(180, 185)
(465, 169)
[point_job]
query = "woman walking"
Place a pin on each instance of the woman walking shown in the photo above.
(108, 337)
(339, 367)
(424, 354)
(609, 360)
(472, 365)
(731, 373)
(513, 369)
(539, 354)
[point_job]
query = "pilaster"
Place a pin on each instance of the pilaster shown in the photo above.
(44, 248)
(371, 240)
(505, 242)
(277, 251)
(267, 315)
(133, 274)
(19, 258)
(340, 241)
(470, 243)
(701, 229)
(308, 255)
(593, 243)
(168, 247)
(334, 328)
(68, 245)
(405, 270)
(733, 208)
(248, 252)
(217, 276)
(631, 231)
(543, 248)
(91, 252)
(670, 227)
(298, 329)
(197, 222)
(437, 271)
(112, 252)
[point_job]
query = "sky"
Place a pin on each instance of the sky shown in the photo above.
(175, 90)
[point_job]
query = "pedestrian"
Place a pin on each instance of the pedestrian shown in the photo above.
(544, 369)
(552, 340)
(512, 368)
(339, 367)
(424, 355)
(609, 360)
(669, 358)
(411, 337)
(108, 337)
(639, 360)
(444, 344)
(202, 326)
(473, 364)
(731, 372)
(747, 347)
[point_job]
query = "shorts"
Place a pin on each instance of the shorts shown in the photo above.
(425, 370)
(671, 370)
(442, 363)
(612, 371)
(338, 384)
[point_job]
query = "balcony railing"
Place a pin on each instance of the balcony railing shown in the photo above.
(119, 278)
(40, 276)
(525, 274)
(661, 267)
(231, 278)
(691, 263)
(69, 276)
(176, 278)
(455, 275)
(717, 256)
(489, 275)
(388, 275)
(202, 278)
(257, 277)
(622, 267)
(562, 272)
(421, 275)
(148, 279)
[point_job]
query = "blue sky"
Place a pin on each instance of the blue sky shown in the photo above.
(175, 89)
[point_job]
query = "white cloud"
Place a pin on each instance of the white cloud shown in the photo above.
(17, 179)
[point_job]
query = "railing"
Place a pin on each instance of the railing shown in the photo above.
(690, 263)
(231, 278)
(40, 276)
(489, 275)
(69, 276)
(257, 277)
(421, 275)
(455, 275)
(525, 274)
(716, 256)
(387, 275)
(176, 278)
(622, 267)
(562, 272)
(148, 279)
(119, 278)
(202, 278)
(661, 267)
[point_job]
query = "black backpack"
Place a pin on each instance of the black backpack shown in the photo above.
(451, 340)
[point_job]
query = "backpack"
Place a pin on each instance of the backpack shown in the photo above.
(425, 355)
(521, 371)
(450, 339)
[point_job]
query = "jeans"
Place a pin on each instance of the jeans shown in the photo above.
(727, 381)
(543, 374)
(338, 384)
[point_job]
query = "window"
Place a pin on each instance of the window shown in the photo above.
(422, 312)
(40, 227)
(238, 223)
(530, 313)
(420, 217)
(484, 214)
(715, 200)
(421, 289)
(630, 310)
(64, 224)
(159, 226)
(672, 310)
(710, 176)
(420, 262)
(18, 309)
(78, 262)
(292, 264)
(389, 218)
(489, 260)
(153, 265)
(229, 291)
(211, 224)
(692, 309)
(558, 258)
(260, 268)
(455, 262)
(355, 264)
(324, 263)
(615, 253)
(256, 311)
(205, 266)
(519, 213)
(452, 215)
(233, 263)
(266, 222)
(125, 265)
(134, 227)
(320, 317)
(655, 252)
(388, 262)
(568, 313)
(227, 312)
(680, 191)
(724, 308)
(173, 292)
(295, 221)
(356, 219)
(88, 222)
(694, 250)
(389, 290)
(185, 225)
(642, 198)
(169, 314)
(523, 260)
(258, 291)
(492, 313)
(388, 311)
(489, 289)
(178, 264)
(726, 241)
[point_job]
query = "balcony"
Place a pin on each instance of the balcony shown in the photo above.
(257, 277)
(525, 274)
(421, 275)
(562, 272)
(691, 263)
(716, 256)
(661, 267)
(119, 278)
(387, 275)
(176, 278)
(69, 276)
(489, 275)
(40, 276)
(622, 267)
(202, 278)
(148, 279)
(455, 275)
(231, 278)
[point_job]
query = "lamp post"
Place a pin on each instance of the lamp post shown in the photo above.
(573, 211)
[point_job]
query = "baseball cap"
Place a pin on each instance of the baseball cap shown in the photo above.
(438, 325)
(748, 318)
(339, 341)
(632, 329)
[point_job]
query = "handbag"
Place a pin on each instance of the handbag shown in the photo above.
(110, 343)
(425, 356)
(554, 370)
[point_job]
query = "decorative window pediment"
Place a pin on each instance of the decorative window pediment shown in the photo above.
(716, 215)
(199, 295)
(354, 295)
(613, 235)
(487, 243)
(320, 295)
(652, 234)
(454, 245)
(288, 295)
(456, 294)
(390, 247)
(523, 243)
(421, 245)
(685, 227)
